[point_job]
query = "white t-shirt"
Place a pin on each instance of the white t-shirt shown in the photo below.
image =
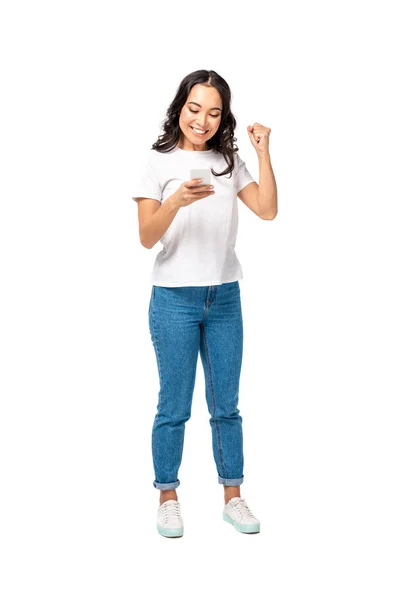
(199, 244)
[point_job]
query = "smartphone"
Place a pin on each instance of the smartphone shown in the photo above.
(205, 174)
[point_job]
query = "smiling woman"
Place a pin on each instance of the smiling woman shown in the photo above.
(200, 118)
(195, 304)
(205, 117)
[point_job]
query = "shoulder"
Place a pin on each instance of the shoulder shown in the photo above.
(238, 161)
(149, 161)
(158, 160)
(152, 156)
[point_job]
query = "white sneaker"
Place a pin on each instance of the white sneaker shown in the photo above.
(239, 514)
(169, 519)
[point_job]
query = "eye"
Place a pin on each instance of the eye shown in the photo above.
(196, 111)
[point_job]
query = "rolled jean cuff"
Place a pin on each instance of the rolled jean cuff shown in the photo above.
(231, 481)
(166, 486)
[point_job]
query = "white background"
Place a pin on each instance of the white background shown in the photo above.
(85, 88)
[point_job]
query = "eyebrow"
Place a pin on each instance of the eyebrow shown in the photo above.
(214, 108)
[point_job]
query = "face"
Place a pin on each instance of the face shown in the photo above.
(202, 111)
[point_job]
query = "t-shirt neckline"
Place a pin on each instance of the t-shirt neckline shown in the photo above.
(194, 151)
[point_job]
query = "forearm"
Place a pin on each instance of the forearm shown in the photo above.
(154, 228)
(267, 190)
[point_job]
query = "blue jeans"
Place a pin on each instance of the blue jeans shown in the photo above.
(182, 321)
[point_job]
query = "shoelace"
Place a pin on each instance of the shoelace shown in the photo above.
(243, 509)
(170, 511)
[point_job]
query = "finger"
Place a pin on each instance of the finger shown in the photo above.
(201, 187)
(202, 194)
(195, 183)
(192, 182)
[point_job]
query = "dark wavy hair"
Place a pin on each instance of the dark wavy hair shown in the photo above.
(223, 140)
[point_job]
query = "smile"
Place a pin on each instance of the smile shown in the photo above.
(198, 131)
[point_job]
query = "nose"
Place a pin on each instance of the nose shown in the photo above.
(202, 123)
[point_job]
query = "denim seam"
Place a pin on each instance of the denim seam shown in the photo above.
(158, 359)
(214, 403)
(205, 313)
(155, 342)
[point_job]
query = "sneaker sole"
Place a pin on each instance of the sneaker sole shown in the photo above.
(177, 532)
(249, 528)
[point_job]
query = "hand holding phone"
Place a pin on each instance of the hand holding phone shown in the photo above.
(204, 174)
(193, 190)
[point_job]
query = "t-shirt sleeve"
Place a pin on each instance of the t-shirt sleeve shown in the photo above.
(243, 176)
(146, 181)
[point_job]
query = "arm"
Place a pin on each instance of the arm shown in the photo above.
(266, 200)
(267, 191)
(154, 220)
(262, 199)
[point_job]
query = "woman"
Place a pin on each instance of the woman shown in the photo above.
(195, 301)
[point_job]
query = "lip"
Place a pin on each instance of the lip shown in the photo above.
(206, 131)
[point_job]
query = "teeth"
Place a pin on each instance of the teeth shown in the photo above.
(200, 131)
